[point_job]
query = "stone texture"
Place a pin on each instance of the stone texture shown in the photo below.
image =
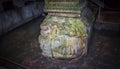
(68, 6)
(26, 12)
(108, 20)
(22, 47)
(62, 37)
(107, 27)
(88, 17)
(7, 21)
(14, 18)
(37, 8)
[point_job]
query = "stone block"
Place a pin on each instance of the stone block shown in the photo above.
(26, 12)
(37, 9)
(6, 21)
(17, 19)
(108, 27)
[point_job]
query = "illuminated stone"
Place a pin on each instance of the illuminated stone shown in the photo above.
(62, 37)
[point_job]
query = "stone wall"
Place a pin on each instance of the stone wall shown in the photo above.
(107, 27)
(16, 17)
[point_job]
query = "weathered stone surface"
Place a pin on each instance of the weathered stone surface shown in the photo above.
(19, 3)
(17, 19)
(7, 22)
(70, 6)
(21, 46)
(108, 20)
(26, 12)
(40, 6)
(62, 37)
(35, 10)
(67, 42)
(14, 18)
(87, 16)
(109, 27)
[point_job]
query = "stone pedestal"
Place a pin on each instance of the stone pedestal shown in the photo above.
(63, 32)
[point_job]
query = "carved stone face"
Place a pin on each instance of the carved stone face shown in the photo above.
(62, 37)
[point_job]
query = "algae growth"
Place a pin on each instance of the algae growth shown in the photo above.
(62, 37)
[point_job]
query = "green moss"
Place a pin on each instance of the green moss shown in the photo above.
(63, 6)
(65, 38)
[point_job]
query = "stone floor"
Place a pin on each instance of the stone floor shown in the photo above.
(19, 49)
